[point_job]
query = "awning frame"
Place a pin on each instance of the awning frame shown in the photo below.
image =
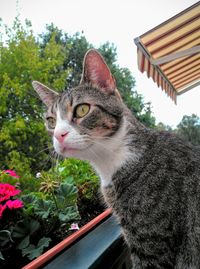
(174, 56)
(156, 62)
(173, 94)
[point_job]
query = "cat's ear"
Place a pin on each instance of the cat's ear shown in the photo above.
(97, 73)
(47, 95)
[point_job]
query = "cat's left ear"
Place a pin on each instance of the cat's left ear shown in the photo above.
(47, 95)
(97, 73)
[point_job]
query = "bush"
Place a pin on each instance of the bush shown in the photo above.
(30, 223)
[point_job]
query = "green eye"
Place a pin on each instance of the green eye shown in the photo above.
(51, 122)
(82, 110)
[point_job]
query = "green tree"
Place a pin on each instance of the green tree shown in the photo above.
(22, 131)
(162, 127)
(77, 45)
(189, 129)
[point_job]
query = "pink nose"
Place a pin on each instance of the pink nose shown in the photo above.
(60, 136)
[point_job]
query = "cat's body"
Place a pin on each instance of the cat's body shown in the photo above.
(157, 201)
(150, 179)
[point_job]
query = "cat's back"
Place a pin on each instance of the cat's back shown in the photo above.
(174, 154)
(163, 179)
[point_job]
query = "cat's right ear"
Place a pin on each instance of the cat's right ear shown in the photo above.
(97, 73)
(47, 95)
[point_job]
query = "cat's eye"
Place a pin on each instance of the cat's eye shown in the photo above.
(82, 110)
(51, 122)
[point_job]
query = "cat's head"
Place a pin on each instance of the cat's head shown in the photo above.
(84, 119)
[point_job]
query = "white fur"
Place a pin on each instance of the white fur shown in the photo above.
(111, 154)
(73, 140)
(106, 155)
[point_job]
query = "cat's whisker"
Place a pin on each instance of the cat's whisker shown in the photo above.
(43, 164)
(55, 158)
(43, 150)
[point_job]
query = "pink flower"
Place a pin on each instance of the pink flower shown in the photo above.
(14, 204)
(74, 226)
(7, 191)
(11, 173)
(2, 208)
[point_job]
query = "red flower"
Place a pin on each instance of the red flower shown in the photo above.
(7, 191)
(14, 204)
(11, 173)
(2, 208)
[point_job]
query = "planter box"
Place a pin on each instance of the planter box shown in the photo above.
(96, 245)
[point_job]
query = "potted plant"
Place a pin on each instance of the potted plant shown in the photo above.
(48, 217)
(29, 221)
(98, 244)
(46, 210)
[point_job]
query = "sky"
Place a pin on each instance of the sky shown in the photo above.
(118, 22)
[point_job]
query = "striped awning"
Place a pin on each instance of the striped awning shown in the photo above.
(170, 53)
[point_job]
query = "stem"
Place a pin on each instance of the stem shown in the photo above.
(55, 201)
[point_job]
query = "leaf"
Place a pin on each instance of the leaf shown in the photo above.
(29, 251)
(68, 192)
(44, 242)
(69, 180)
(24, 243)
(69, 214)
(34, 226)
(25, 227)
(28, 198)
(44, 208)
(5, 237)
(1, 256)
(33, 251)
(61, 169)
(66, 189)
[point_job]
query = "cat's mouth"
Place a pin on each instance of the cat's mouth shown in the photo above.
(67, 149)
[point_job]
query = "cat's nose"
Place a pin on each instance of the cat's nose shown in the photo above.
(60, 136)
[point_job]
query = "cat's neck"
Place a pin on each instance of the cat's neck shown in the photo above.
(114, 152)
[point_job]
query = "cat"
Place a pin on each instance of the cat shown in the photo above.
(150, 179)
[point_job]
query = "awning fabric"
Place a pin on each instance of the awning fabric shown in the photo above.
(170, 53)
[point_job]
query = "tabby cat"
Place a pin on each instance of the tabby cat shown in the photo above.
(150, 179)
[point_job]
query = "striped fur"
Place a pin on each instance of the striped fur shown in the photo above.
(151, 179)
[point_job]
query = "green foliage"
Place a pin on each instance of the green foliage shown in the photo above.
(83, 176)
(30, 229)
(25, 227)
(24, 232)
(189, 129)
(5, 237)
(6, 178)
(76, 170)
(58, 205)
(1, 256)
(20, 118)
(33, 251)
(28, 182)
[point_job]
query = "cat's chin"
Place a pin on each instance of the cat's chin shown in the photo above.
(77, 154)
(69, 152)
